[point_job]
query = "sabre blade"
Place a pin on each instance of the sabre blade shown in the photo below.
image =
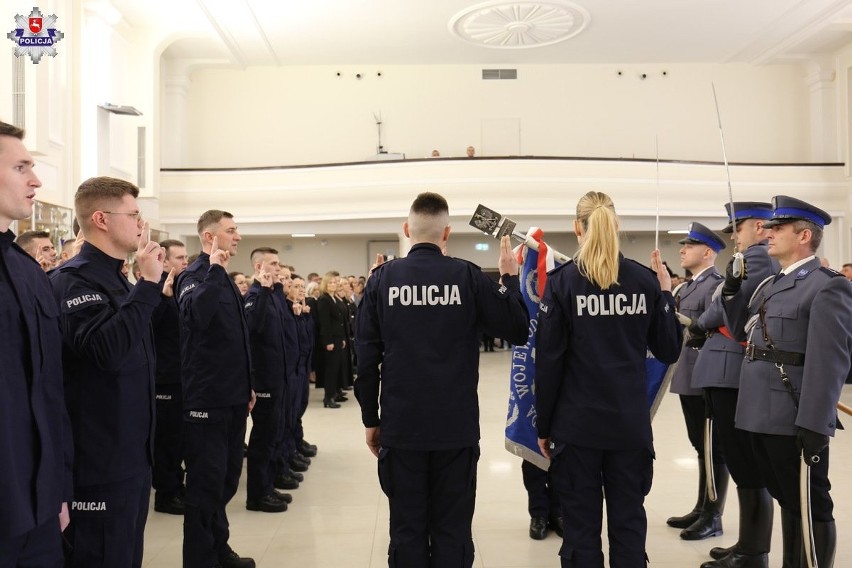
(737, 268)
(657, 222)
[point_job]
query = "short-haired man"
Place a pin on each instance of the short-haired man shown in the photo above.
(265, 316)
(217, 390)
(847, 270)
(717, 371)
(39, 246)
(36, 448)
(168, 437)
(799, 330)
(109, 364)
(69, 249)
(418, 346)
(698, 255)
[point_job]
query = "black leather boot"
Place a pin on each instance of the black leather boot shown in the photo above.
(752, 548)
(709, 522)
(825, 543)
(692, 516)
(791, 533)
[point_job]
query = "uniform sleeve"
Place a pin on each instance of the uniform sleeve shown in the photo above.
(257, 309)
(94, 330)
(758, 268)
(501, 309)
(370, 350)
(827, 356)
(551, 350)
(714, 316)
(665, 334)
(198, 298)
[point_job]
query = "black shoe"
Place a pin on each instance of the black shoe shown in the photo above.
(538, 528)
(298, 465)
(171, 506)
(306, 452)
(299, 457)
(232, 560)
(349, 388)
(341, 398)
(737, 560)
(285, 482)
(329, 403)
(718, 553)
(267, 504)
(707, 525)
(297, 476)
(555, 524)
(308, 447)
(285, 497)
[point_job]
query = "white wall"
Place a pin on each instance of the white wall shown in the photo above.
(296, 115)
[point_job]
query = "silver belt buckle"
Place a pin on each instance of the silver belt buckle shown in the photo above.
(750, 351)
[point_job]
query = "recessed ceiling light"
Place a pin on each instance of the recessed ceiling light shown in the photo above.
(302, 235)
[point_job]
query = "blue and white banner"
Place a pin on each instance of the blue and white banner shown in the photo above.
(521, 434)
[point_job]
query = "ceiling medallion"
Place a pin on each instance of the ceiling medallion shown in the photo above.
(519, 25)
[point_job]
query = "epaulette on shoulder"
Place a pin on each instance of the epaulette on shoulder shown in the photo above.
(830, 271)
(717, 276)
(561, 266)
(648, 268)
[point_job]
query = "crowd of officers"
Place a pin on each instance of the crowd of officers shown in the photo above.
(112, 387)
(759, 379)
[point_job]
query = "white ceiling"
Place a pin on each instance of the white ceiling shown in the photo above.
(349, 32)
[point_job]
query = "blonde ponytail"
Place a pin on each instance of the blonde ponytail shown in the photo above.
(597, 258)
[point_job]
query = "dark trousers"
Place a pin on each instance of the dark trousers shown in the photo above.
(40, 547)
(168, 442)
(281, 458)
(214, 460)
(302, 404)
(431, 496)
(108, 524)
(735, 444)
(694, 413)
(582, 477)
(263, 441)
(542, 500)
(779, 461)
(334, 369)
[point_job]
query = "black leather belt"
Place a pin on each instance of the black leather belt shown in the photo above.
(775, 356)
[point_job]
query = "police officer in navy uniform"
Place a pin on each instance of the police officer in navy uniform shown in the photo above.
(697, 255)
(598, 317)
(717, 371)
(35, 480)
(798, 325)
(305, 322)
(265, 317)
(168, 434)
(109, 365)
(418, 344)
(217, 392)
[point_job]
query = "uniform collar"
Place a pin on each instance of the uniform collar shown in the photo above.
(790, 269)
(425, 247)
(6, 239)
(91, 252)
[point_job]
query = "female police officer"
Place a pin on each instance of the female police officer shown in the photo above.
(597, 317)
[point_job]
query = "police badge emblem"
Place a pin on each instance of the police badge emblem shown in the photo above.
(35, 35)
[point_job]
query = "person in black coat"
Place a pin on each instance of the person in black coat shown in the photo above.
(598, 317)
(35, 480)
(217, 392)
(331, 329)
(418, 360)
(109, 367)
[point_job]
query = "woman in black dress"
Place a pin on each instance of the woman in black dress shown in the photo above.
(331, 329)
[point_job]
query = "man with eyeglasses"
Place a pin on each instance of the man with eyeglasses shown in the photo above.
(109, 365)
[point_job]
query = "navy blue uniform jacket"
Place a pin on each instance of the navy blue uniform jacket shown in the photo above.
(265, 317)
(108, 359)
(166, 324)
(419, 324)
(35, 436)
(591, 345)
(214, 339)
